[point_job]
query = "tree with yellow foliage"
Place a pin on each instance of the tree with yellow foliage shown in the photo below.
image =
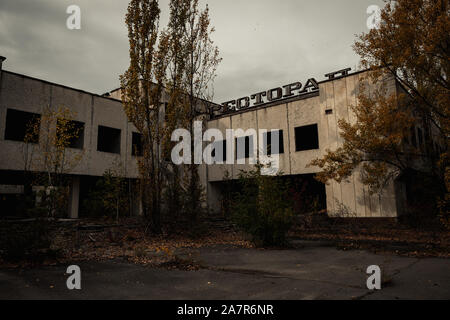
(48, 158)
(202, 59)
(176, 65)
(410, 44)
(142, 95)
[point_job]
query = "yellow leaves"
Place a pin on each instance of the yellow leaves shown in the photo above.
(178, 63)
(372, 141)
(166, 250)
(412, 43)
(56, 131)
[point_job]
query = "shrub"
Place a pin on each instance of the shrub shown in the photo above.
(262, 207)
(110, 196)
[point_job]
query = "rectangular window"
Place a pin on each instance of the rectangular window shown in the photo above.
(21, 123)
(74, 130)
(244, 147)
(420, 135)
(136, 143)
(413, 137)
(108, 140)
(306, 138)
(270, 139)
(221, 147)
(166, 113)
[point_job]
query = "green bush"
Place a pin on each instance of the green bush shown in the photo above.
(261, 206)
(110, 197)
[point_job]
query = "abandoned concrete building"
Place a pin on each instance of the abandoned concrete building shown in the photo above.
(306, 118)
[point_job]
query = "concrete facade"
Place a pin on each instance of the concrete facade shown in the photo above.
(19, 92)
(323, 108)
(347, 199)
(23, 93)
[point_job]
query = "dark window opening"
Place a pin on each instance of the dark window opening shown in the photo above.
(108, 139)
(413, 137)
(247, 151)
(269, 140)
(306, 193)
(166, 113)
(436, 149)
(73, 130)
(329, 111)
(221, 147)
(306, 138)
(20, 125)
(406, 139)
(167, 155)
(420, 136)
(136, 142)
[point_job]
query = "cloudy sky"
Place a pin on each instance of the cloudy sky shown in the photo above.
(263, 43)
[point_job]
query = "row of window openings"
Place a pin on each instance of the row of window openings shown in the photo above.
(306, 138)
(419, 138)
(416, 139)
(19, 126)
(18, 122)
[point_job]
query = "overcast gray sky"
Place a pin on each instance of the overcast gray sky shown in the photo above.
(263, 43)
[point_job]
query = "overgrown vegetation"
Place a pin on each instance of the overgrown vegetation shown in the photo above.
(262, 207)
(176, 65)
(47, 162)
(396, 135)
(110, 197)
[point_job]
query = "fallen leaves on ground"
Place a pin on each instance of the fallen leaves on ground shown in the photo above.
(131, 244)
(391, 238)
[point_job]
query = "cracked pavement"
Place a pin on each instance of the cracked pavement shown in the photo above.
(314, 271)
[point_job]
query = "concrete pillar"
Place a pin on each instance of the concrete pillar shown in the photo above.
(74, 198)
(214, 197)
(137, 206)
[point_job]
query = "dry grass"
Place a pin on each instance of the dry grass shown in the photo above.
(130, 242)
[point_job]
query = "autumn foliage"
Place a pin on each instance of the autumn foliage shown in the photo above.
(411, 45)
(48, 159)
(170, 75)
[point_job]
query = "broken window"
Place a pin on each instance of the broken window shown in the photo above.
(166, 113)
(108, 139)
(221, 147)
(73, 130)
(306, 138)
(244, 147)
(420, 136)
(273, 142)
(413, 137)
(19, 126)
(136, 141)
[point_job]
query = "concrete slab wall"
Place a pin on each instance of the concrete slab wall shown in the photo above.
(348, 198)
(351, 197)
(32, 95)
(217, 172)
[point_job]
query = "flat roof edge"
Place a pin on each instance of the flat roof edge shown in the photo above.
(61, 85)
(267, 105)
